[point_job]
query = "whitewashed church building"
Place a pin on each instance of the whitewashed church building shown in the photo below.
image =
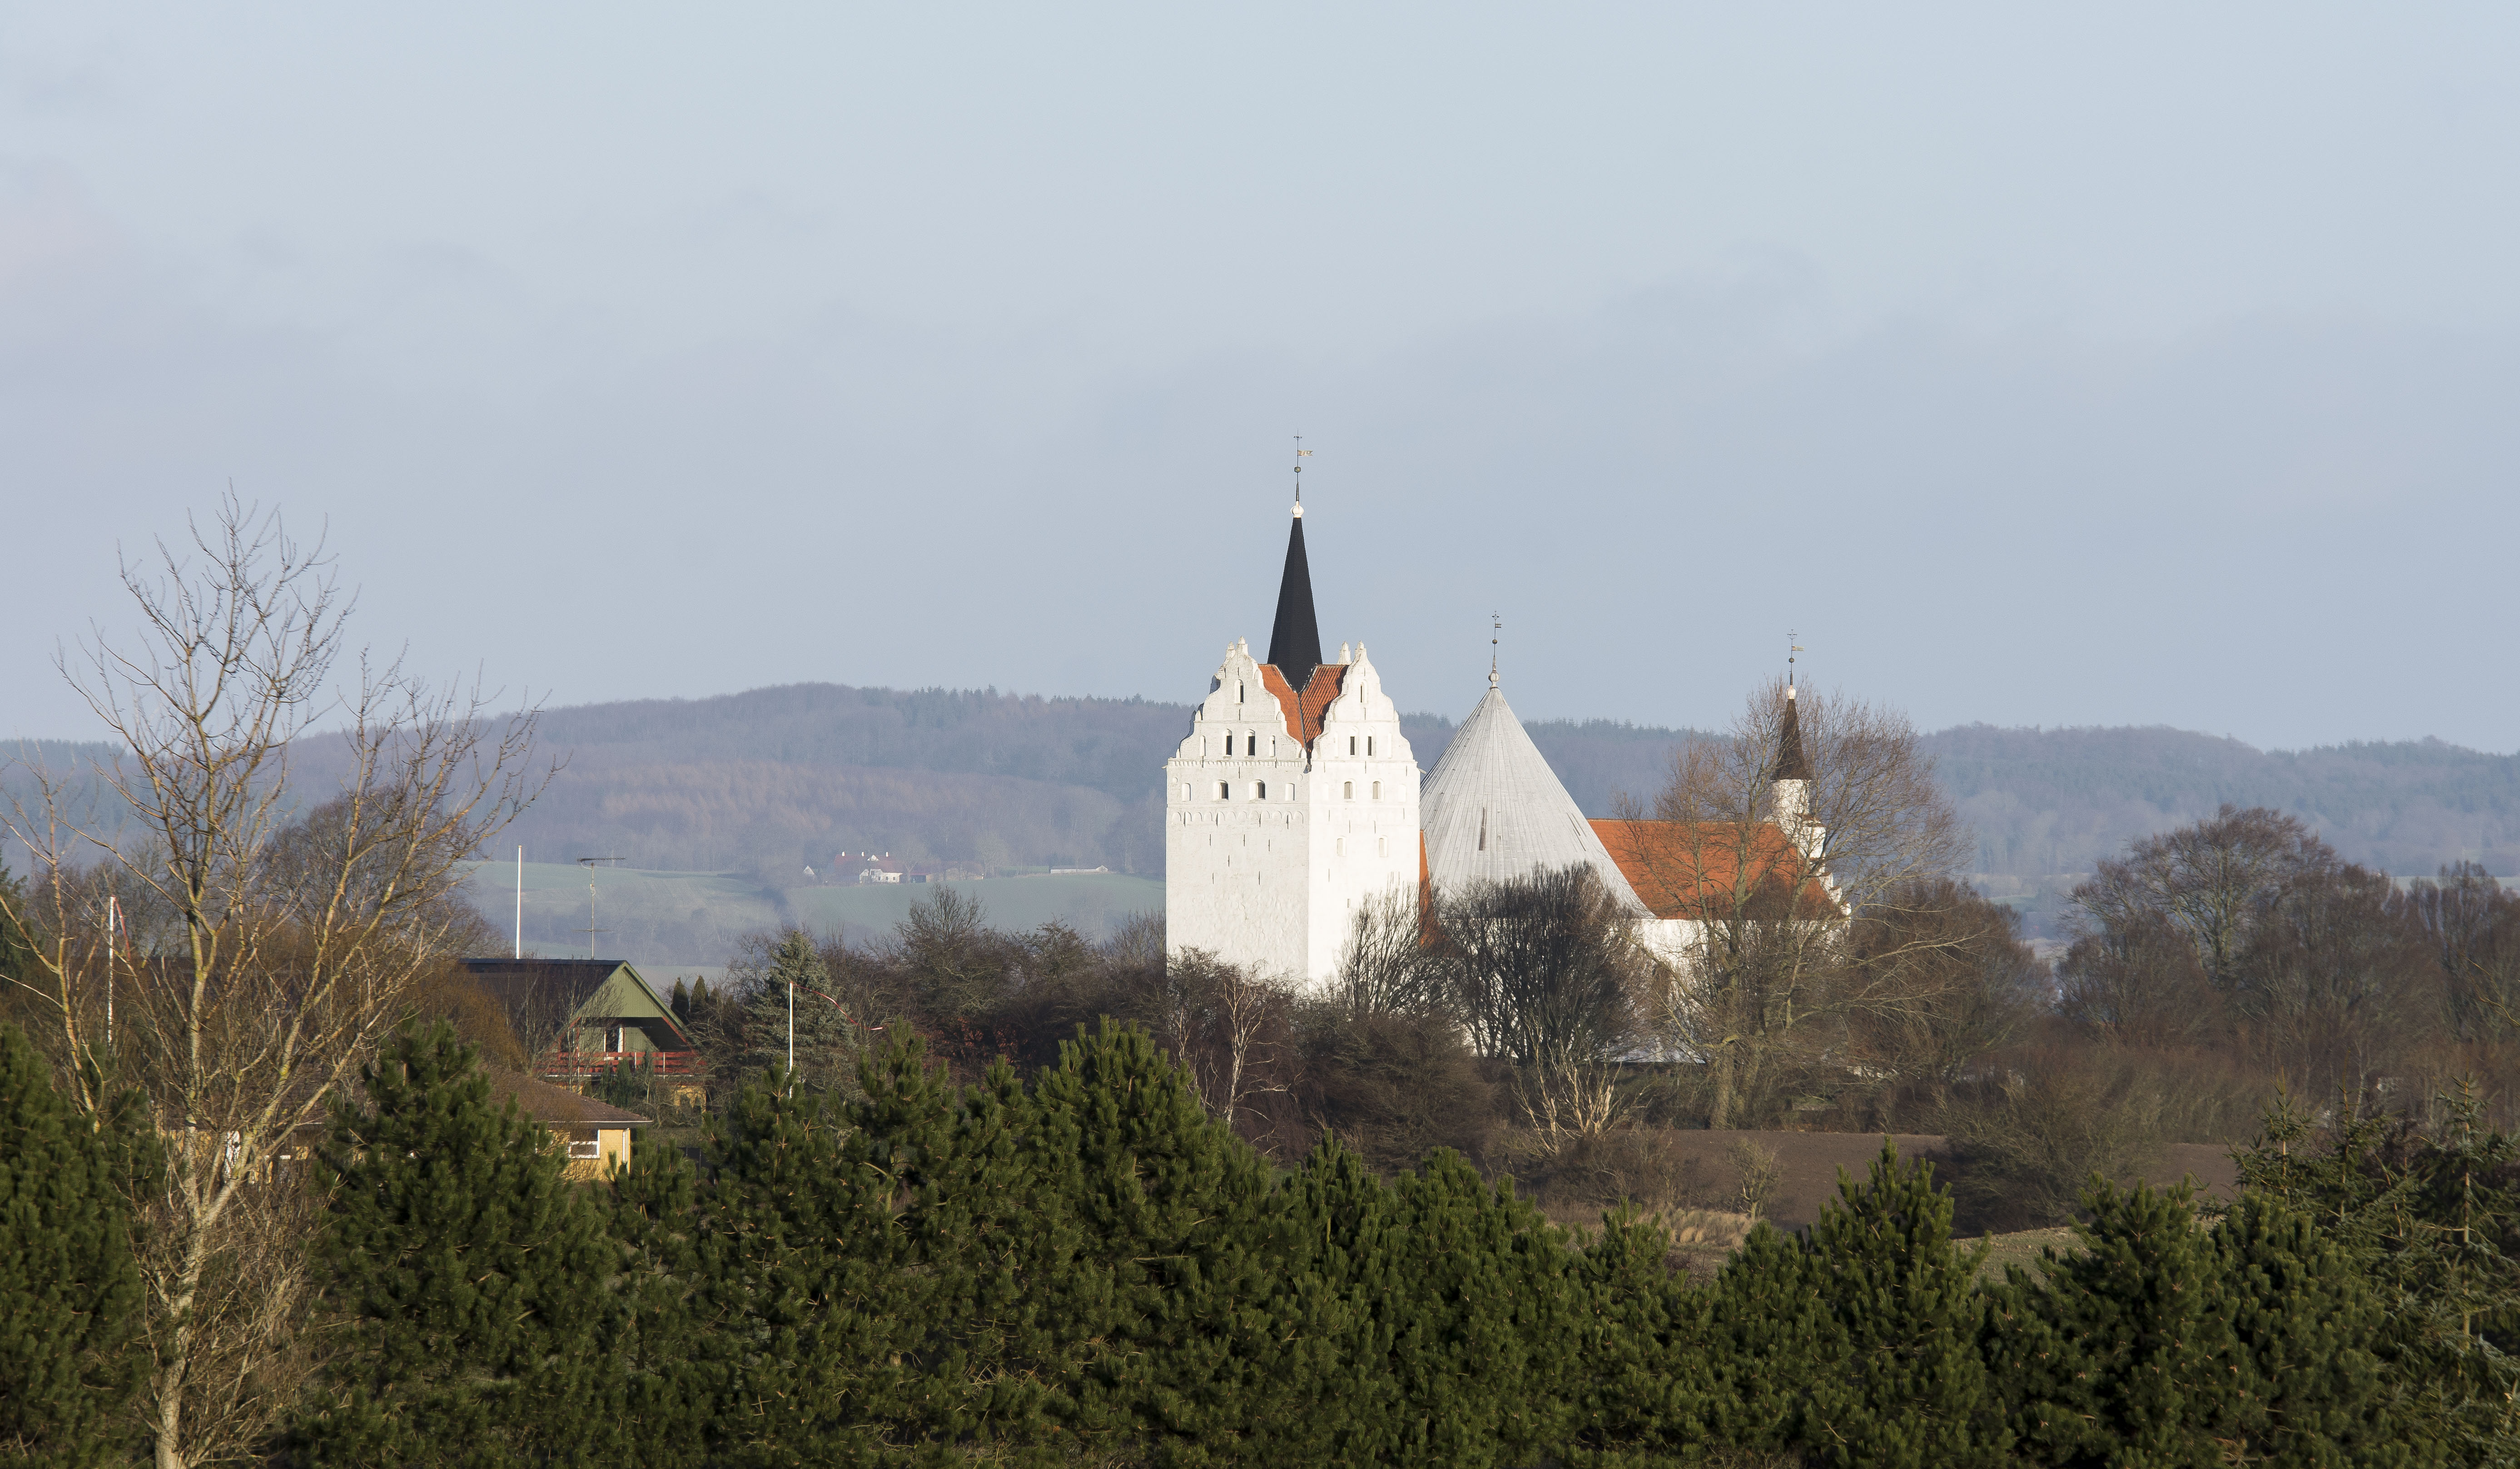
(1293, 800)
(1296, 799)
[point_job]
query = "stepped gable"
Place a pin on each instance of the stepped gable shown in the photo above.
(1686, 870)
(1304, 711)
(1493, 809)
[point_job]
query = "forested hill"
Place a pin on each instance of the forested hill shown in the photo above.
(776, 778)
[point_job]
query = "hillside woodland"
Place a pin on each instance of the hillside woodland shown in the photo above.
(775, 780)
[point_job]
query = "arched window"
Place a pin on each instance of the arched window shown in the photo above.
(1347, 790)
(1223, 790)
(1377, 790)
(1251, 744)
(1351, 744)
(1382, 846)
(1260, 790)
(1369, 744)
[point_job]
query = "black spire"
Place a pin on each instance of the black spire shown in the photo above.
(1295, 639)
(1791, 764)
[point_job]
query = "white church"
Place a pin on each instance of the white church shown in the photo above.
(1294, 800)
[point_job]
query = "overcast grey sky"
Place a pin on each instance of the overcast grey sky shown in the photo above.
(2156, 364)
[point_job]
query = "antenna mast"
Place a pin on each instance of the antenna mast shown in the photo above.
(587, 862)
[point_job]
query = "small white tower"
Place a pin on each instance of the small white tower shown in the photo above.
(1292, 801)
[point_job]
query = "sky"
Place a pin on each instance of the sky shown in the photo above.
(2147, 364)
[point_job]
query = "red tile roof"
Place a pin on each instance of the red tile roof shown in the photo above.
(1691, 870)
(1304, 712)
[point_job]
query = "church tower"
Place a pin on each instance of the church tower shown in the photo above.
(1292, 801)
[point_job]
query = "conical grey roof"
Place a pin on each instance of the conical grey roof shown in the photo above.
(1492, 809)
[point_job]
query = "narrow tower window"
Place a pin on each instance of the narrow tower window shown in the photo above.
(1347, 790)
(1377, 790)
(1369, 744)
(1251, 744)
(1223, 790)
(1351, 744)
(1260, 790)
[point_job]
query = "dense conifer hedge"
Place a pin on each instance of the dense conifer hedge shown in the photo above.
(1088, 1268)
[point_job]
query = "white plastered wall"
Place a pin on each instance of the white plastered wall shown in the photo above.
(1269, 881)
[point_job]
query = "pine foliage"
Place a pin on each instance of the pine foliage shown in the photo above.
(471, 1280)
(70, 1353)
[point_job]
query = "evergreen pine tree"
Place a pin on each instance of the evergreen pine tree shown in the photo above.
(2432, 1223)
(2305, 1322)
(2163, 1343)
(1161, 1203)
(1321, 1388)
(472, 1279)
(1645, 1399)
(809, 1328)
(2124, 1349)
(825, 1043)
(70, 1353)
(1859, 1342)
(651, 1335)
(1485, 1323)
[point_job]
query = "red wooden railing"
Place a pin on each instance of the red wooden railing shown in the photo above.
(581, 1064)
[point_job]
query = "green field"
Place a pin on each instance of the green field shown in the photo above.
(664, 918)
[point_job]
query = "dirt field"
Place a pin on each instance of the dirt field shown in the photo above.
(1807, 1164)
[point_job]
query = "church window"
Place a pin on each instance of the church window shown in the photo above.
(1260, 790)
(1369, 744)
(1237, 693)
(1251, 744)
(1382, 846)
(1377, 790)
(1340, 847)
(1351, 744)
(1347, 790)
(1223, 789)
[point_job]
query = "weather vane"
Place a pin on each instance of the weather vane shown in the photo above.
(1493, 633)
(1791, 647)
(1301, 454)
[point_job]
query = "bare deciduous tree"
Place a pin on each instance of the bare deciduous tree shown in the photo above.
(1222, 1023)
(1543, 966)
(294, 929)
(1813, 811)
(1392, 963)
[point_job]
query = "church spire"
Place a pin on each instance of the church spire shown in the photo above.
(1295, 638)
(1791, 764)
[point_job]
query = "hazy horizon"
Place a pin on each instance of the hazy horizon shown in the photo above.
(2147, 368)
